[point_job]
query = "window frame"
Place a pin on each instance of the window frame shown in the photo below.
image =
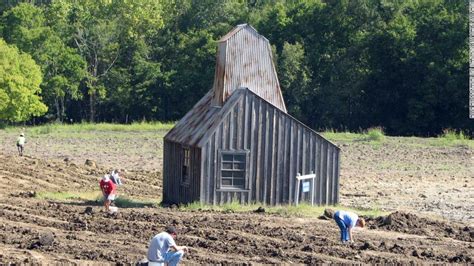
(185, 158)
(220, 169)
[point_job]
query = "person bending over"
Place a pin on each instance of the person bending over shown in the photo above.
(347, 221)
(108, 190)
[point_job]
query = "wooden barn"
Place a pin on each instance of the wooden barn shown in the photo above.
(238, 143)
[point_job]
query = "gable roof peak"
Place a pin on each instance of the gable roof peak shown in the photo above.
(238, 28)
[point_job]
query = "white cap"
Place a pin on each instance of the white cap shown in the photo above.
(106, 178)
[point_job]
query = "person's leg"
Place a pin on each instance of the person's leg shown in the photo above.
(21, 150)
(342, 227)
(106, 204)
(173, 258)
(111, 199)
(347, 235)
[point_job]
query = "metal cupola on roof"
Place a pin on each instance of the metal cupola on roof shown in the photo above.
(244, 60)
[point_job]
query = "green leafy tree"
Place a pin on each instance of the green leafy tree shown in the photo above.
(107, 34)
(63, 69)
(140, 22)
(420, 63)
(20, 79)
(96, 38)
(295, 79)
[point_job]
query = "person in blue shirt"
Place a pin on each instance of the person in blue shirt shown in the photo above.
(347, 221)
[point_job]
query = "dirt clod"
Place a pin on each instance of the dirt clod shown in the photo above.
(413, 224)
(460, 258)
(46, 239)
(90, 163)
(89, 210)
(366, 246)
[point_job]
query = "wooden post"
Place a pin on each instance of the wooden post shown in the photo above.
(297, 193)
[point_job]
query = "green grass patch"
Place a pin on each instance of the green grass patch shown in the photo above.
(341, 136)
(64, 196)
(96, 196)
(450, 138)
(452, 135)
(302, 210)
(87, 127)
(372, 212)
(375, 134)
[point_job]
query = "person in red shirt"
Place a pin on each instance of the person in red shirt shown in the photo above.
(108, 190)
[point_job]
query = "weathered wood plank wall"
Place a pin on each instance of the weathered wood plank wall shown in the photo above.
(174, 191)
(279, 147)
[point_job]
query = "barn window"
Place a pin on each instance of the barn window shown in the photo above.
(233, 170)
(186, 166)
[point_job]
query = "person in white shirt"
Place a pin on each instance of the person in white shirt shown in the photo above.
(116, 175)
(161, 245)
(20, 143)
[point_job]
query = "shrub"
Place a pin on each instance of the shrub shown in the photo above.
(375, 134)
(452, 135)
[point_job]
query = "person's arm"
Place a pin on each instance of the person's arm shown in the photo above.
(350, 234)
(179, 248)
(173, 245)
(113, 187)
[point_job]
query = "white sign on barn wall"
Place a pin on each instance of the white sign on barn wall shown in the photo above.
(307, 183)
(306, 186)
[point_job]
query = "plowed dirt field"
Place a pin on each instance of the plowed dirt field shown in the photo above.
(429, 191)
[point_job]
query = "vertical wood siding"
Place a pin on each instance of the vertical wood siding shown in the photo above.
(279, 148)
(173, 190)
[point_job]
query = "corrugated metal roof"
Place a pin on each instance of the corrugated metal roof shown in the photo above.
(244, 59)
(199, 120)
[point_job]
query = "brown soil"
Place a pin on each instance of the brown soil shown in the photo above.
(33, 230)
(409, 174)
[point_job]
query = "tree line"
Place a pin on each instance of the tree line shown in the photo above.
(342, 64)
